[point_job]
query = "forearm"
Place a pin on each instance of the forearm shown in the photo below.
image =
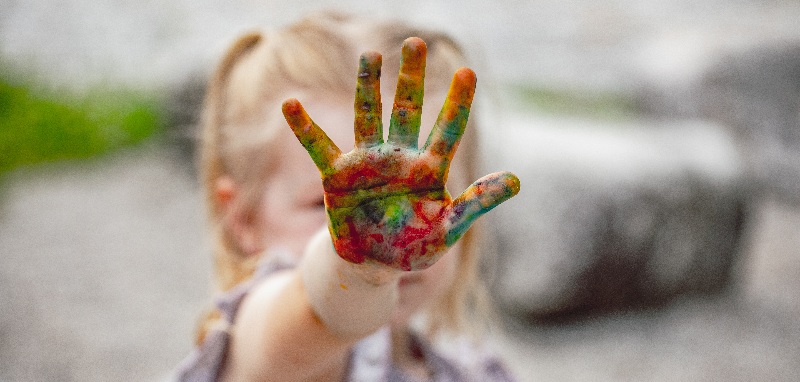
(352, 300)
(300, 324)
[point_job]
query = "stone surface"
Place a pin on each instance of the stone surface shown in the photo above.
(754, 89)
(738, 337)
(616, 215)
(715, 340)
(104, 268)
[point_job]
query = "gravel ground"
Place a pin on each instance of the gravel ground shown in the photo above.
(103, 271)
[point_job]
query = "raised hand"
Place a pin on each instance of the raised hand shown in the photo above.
(386, 201)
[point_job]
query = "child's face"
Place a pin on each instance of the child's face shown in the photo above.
(292, 208)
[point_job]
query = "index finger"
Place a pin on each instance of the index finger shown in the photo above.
(319, 146)
(446, 134)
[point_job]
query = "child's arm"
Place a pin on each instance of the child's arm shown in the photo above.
(388, 212)
(279, 336)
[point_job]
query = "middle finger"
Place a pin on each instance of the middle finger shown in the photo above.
(407, 109)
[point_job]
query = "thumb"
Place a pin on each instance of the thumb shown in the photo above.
(479, 198)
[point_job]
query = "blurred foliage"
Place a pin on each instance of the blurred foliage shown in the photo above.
(38, 125)
(600, 105)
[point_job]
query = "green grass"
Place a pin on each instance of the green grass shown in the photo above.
(586, 104)
(39, 126)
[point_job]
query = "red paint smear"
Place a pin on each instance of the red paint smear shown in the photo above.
(410, 234)
(405, 263)
(420, 176)
(362, 172)
(424, 216)
(377, 237)
(350, 248)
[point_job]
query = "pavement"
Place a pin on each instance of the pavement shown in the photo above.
(104, 268)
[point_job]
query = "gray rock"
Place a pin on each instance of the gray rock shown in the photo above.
(615, 216)
(756, 91)
(183, 109)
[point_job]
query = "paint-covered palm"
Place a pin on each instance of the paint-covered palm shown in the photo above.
(387, 201)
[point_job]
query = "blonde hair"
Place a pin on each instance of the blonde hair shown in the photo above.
(318, 54)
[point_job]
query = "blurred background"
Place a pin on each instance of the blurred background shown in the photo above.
(656, 237)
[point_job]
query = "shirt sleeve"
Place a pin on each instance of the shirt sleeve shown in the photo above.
(206, 361)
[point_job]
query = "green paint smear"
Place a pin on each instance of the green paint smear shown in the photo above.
(599, 105)
(39, 125)
(395, 216)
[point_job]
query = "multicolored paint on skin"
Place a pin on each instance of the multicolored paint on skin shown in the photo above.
(368, 108)
(322, 150)
(386, 201)
(407, 108)
(479, 198)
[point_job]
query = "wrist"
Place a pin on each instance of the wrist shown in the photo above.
(370, 273)
(352, 300)
(367, 273)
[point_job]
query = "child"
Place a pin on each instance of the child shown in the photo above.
(324, 281)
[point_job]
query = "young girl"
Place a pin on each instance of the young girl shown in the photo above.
(354, 277)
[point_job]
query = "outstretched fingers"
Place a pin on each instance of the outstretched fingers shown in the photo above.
(479, 198)
(368, 125)
(407, 109)
(321, 149)
(446, 134)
